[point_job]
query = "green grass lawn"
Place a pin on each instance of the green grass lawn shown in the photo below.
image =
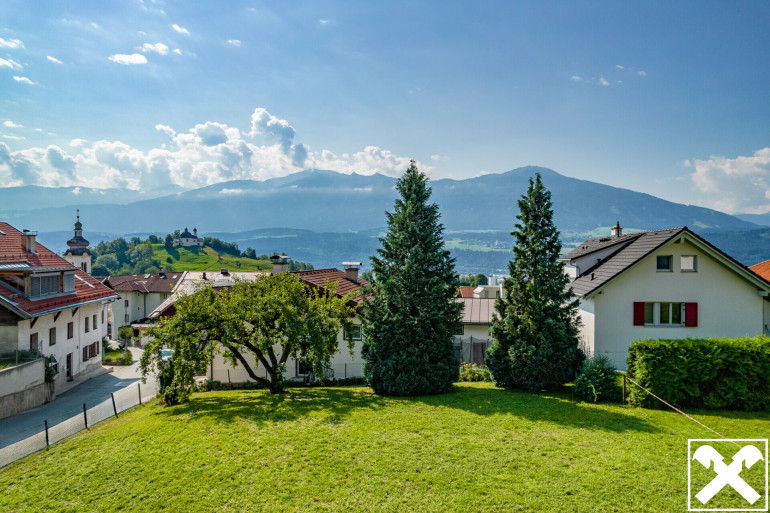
(202, 259)
(345, 449)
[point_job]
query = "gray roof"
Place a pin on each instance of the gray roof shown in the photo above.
(477, 310)
(636, 247)
(599, 243)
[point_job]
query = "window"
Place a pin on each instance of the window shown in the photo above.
(354, 333)
(70, 330)
(303, 369)
(102, 315)
(664, 263)
(460, 331)
(69, 282)
(662, 313)
(93, 319)
(86, 320)
(52, 337)
(33, 345)
(44, 285)
(125, 318)
(83, 267)
(688, 263)
(125, 303)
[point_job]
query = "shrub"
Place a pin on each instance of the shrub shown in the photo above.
(473, 372)
(597, 380)
(715, 373)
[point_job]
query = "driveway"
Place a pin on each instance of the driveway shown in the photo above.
(70, 403)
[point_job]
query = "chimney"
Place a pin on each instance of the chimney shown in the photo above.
(280, 263)
(351, 270)
(617, 231)
(29, 241)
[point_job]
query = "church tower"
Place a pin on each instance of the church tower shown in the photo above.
(78, 253)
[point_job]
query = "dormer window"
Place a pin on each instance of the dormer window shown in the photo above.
(664, 263)
(44, 285)
(69, 282)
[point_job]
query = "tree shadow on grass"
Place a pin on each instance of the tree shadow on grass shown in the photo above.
(561, 408)
(334, 404)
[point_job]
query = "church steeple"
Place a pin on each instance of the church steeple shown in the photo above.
(78, 253)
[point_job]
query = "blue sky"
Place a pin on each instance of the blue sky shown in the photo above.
(668, 98)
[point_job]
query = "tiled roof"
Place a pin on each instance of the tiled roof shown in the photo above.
(87, 288)
(599, 243)
(476, 310)
(145, 283)
(465, 291)
(320, 277)
(762, 269)
(638, 246)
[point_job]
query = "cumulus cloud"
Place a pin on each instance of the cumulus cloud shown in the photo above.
(323, 22)
(53, 59)
(9, 63)
(575, 78)
(208, 153)
(603, 81)
(11, 43)
(177, 51)
(158, 48)
(734, 185)
(234, 42)
(127, 60)
(11, 124)
(180, 30)
(23, 80)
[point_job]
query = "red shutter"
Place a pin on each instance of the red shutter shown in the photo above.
(691, 314)
(638, 313)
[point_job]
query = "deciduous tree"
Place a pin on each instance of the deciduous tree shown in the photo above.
(271, 318)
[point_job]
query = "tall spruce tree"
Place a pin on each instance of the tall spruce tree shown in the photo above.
(535, 344)
(409, 316)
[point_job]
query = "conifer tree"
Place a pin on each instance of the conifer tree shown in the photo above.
(409, 316)
(534, 333)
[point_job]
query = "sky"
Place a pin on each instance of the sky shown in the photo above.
(667, 98)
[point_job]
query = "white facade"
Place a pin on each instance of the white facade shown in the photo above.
(68, 349)
(134, 306)
(729, 301)
(81, 261)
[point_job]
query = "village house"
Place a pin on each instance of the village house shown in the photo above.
(47, 306)
(140, 295)
(342, 364)
(187, 239)
(661, 284)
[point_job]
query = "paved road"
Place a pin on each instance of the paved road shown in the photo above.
(91, 392)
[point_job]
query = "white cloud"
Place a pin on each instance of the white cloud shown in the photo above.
(53, 59)
(9, 63)
(181, 30)
(11, 124)
(177, 51)
(619, 66)
(24, 80)
(641, 73)
(134, 58)
(603, 81)
(208, 153)
(13, 137)
(439, 158)
(734, 185)
(323, 22)
(158, 48)
(575, 78)
(11, 43)
(234, 42)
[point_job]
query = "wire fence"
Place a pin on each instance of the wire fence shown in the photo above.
(119, 401)
(471, 349)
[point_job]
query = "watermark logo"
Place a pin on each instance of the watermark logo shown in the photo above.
(727, 475)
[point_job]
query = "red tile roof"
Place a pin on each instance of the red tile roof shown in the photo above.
(465, 291)
(320, 277)
(762, 269)
(144, 283)
(87, 289)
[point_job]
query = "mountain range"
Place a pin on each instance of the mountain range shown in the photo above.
(326, 217)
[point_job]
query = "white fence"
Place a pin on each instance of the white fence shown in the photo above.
(119, 401)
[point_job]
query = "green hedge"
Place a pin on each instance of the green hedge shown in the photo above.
(715, 373)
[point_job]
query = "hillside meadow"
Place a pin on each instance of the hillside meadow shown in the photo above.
(346, 449)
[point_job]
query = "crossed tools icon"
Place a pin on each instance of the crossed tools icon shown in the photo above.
(728, 474)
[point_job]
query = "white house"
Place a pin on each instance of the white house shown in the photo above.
(662, 284)
(140, 295)
(187, 239)
(50, 306)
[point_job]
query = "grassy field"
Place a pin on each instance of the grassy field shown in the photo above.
(345, 449)
(204, 259)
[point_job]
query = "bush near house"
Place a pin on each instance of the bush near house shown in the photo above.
(597, 381)
(118, 358)
(716, 373)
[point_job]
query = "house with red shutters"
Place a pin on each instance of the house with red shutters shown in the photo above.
(48, 307)
(662, 284)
